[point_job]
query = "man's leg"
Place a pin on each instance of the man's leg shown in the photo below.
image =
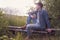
(28, 20)
(30, 27)
(34, 21)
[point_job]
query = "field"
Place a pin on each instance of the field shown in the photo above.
(20, 21)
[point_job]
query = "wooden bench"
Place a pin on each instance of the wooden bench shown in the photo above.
(19, 29)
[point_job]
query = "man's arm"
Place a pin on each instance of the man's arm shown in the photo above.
(28, 20)
(46, 17)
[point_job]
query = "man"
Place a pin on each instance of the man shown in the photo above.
(31, 17)
(42, 21)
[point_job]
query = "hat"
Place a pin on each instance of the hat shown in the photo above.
(39, 3)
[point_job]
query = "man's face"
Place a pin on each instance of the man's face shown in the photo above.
(38, 7)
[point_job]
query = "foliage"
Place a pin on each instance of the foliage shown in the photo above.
(53, 8)
(3, 24)
(16, 20)
(3, 21)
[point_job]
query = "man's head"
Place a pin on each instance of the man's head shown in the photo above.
(39, 5)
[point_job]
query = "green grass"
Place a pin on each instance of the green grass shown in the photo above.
(20, 21)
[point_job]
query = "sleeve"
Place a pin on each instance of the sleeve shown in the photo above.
(28, 20)
(46, 17)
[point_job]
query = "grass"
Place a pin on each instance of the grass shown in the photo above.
(20, 21)
(40, 37)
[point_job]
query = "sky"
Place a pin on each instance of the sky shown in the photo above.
(22, 5)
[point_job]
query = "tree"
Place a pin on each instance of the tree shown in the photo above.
(53, 8)
(3, 21)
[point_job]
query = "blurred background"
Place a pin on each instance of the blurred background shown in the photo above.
(15, 12)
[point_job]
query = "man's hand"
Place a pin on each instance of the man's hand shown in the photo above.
(23, 27)
(49, 30)
(33, 16)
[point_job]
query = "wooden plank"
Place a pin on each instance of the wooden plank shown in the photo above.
(16, 27)
(54, 29)
(20, 30)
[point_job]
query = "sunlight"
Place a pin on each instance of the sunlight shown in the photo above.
(21, 5)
